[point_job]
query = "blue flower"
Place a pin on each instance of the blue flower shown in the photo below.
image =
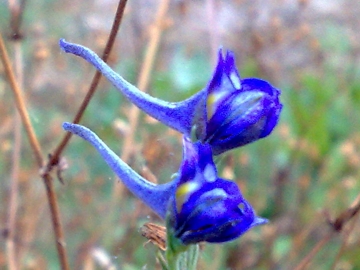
(238, 111)
(205, 207)
(228, 113)
(199, 206)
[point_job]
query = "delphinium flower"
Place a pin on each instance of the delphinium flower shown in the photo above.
(200, 206)
(228, 113)
(206, 207)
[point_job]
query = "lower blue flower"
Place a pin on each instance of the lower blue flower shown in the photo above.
(205, 207)
(197, 204)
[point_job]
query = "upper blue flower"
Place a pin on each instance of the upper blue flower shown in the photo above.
(228, 113)
(238, 111)
(199, 206)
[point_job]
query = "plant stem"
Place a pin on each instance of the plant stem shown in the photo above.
(20, 103)
(347, 232)
(52, 200)
(12, 259)
(11, 255)
(306, 260)
(337, 226)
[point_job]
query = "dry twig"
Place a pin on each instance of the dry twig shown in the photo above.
(51, 195)
(337, 226)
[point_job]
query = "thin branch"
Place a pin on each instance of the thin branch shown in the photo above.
(353, 213)
(52, 199)
(306, 260)
(12, 260)
(20, 102)
(337, 226)
(54, 160)
(344, 242)
(17, 12)
(56, 221)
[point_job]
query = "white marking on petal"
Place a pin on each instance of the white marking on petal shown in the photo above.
(216, 192)
(235, 80)
(210, 173)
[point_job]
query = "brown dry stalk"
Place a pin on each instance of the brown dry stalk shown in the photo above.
(17, 11)
(306, 260)
(35, 146)
(337, 226)
(13, 252)
(56, 221)
(345, 242)
(143, 82)
(11, 255)
(12, 260)
(20, 103)
(352, 212)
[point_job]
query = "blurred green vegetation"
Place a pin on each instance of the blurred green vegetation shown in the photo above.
(307, 170)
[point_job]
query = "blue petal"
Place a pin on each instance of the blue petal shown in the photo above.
(215, 217)
(225, 80)
(243, 108)
(244, 116)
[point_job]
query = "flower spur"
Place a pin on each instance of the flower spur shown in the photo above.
(227, 113)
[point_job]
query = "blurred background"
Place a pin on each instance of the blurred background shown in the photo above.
(301, 177)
